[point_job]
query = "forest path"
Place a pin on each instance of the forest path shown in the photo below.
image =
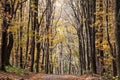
(53, 77)
(40, 76)
(65, 77)
(56, 77)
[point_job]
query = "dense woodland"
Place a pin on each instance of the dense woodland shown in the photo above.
(61, 36)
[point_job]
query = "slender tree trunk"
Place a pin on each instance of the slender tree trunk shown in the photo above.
(34, 26)
(38, 44)
(61, 58)
(9, 48)
(28, 40)
(48, 23)
(43, 57)
(93, 49)
(114, 67)
(80, 53)
(20, 43)
(38, 57)
(70, 59)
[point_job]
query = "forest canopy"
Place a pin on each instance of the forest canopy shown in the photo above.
(74, 37)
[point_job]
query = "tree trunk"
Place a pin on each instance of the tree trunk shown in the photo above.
(93, 49)
(20, 43)
(117, 33)
(43, 57)
(34, 20)
(38, 57)
(48, 23)
(80, 53)
(70, 59)
(28, 40)
(5, 23)
(114, 67)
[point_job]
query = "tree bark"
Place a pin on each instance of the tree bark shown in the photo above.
(5, 24)
(34, 20)
(117, 33)
(20, 33)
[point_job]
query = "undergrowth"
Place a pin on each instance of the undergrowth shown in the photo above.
(16, 70)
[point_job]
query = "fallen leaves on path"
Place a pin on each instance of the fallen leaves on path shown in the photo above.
(39, 76)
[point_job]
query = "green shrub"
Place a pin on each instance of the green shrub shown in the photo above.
(16, 70)
(108, 76)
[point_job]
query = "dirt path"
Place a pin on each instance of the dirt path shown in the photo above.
(56, 77)
(40, 76)
(65, 77)
(59, 77)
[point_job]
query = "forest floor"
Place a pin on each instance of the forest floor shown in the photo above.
(40, 76)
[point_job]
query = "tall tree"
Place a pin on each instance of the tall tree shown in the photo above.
(21, 35)
(117, 33)
(49, 6)
(5, 23)
(92, 32)
(9, 11)
(34, 25)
